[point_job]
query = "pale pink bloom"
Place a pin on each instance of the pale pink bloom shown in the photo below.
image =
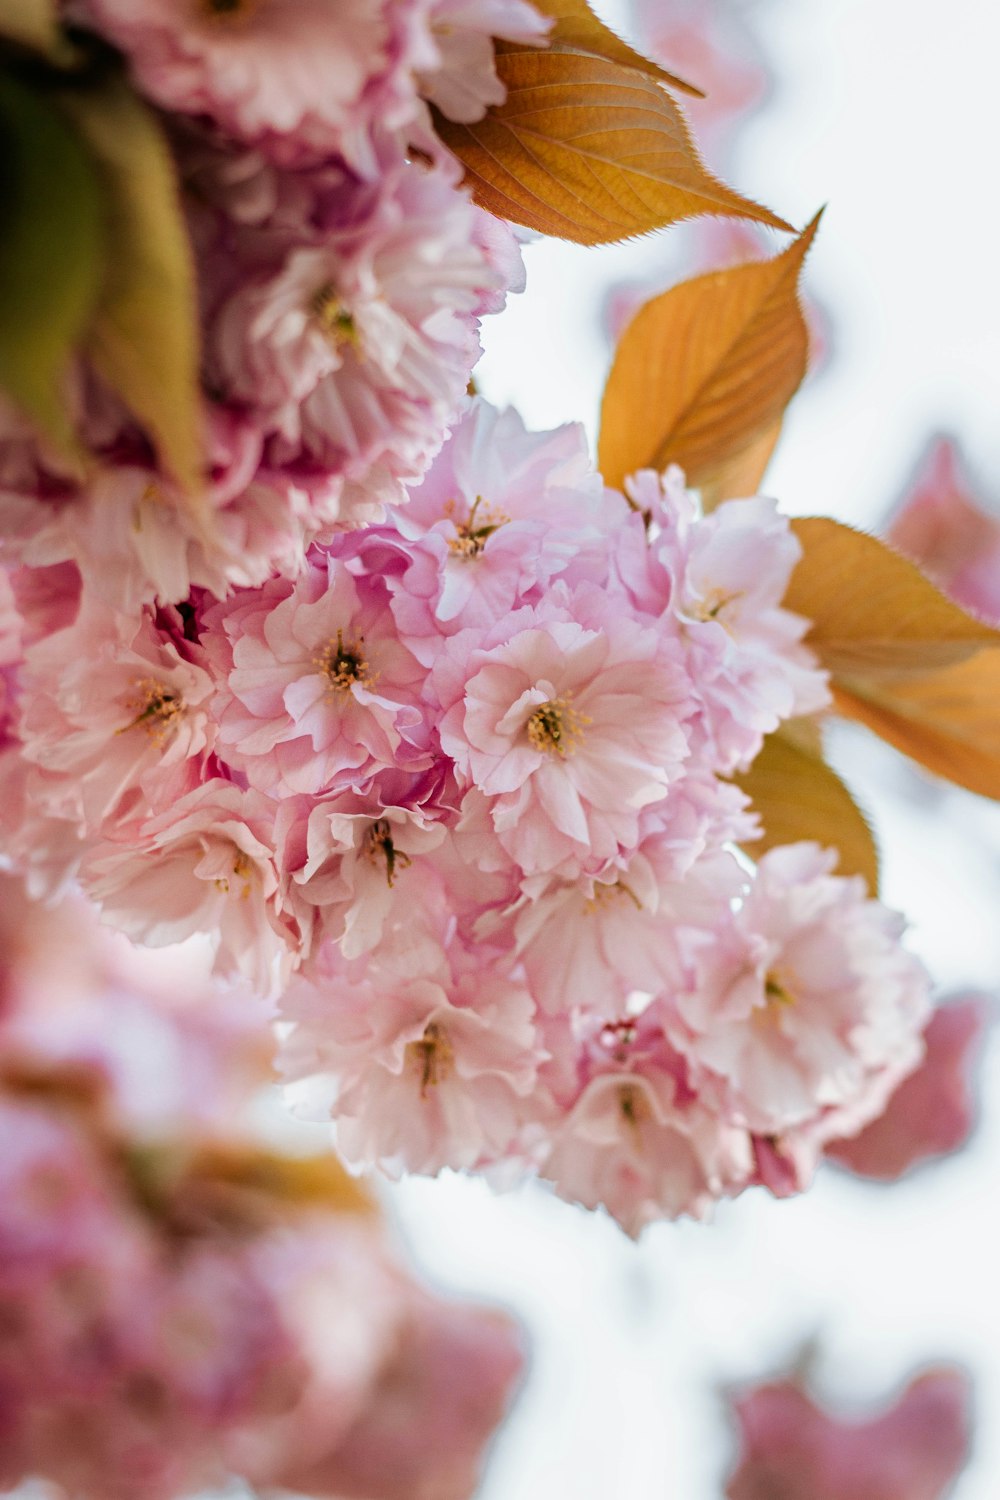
(808, 1010)
(136, 539)
(425, 1061)
(357, 855)
(444, 1387)
(636, 1141)
(40, 833)
(951, 534)
(499, 515)
(204, 865)
(355, 350)
(130, 537)
(723, 577)
(933, 1111)
(300, 79)
(913, 1450)
(111, 705)
(341, 1299)
(10, 622)
(162, 1335)
(569, 718)
(463, 81)
(711, 44)
(586, 944)
(10, 653)
(315, 689)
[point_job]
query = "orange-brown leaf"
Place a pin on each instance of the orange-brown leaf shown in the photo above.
(948, 720)
(743, 475)
(798, 796)
(30, 23)
(587, 150)
(874, 613)
(305, 1182)
(578, 27)
(703, 373)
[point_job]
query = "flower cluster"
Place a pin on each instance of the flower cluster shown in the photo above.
(459, 789)
(180, 1304)
(341, 271)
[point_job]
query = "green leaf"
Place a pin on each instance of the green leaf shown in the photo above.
(587, 150)
(51, 254)
(144, 340)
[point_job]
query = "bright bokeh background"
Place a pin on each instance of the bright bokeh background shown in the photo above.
(883, 109)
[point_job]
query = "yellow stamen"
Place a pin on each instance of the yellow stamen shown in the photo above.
(157, 709)
(777, 999)
(472, 535)
(332, 316)
(345, 665)
(556, 727)
(713, 604)
(243, 869)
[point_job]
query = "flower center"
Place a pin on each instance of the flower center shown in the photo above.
(603, 893)
(713, 605)
(227, 10)
(472, 534)
(379, 845)
(432, 1057)
(243, 871)
(555, 726)
(633, 1104)
(776, 991)
(778, 998)
(332, 316)
(345, 664)
(157, 709)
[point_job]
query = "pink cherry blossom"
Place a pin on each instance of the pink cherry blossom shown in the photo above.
(636, 1140)
(722, 578)
(500, 514)
(118, 710)
(933, 1111)
(463, 82)
(712, 45)
(354, 350)
(807, 1010)
(949, 532)
(297, 80)
(315, 689)
(585, 942)
(164, 1330)
(203, 865)
(426, 1061)
(569, 719)
(789, 1445)
(444, 1387)
(356, 855)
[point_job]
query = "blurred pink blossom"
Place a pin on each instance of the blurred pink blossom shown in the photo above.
(933, 1112)
(793, 1449)
(950, 533)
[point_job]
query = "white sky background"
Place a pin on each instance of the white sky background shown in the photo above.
(886, 110)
